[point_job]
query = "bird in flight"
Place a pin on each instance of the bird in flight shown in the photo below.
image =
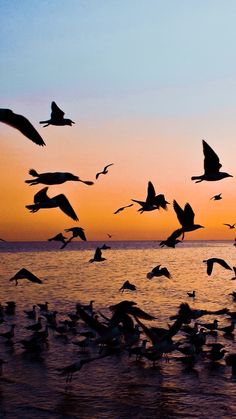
(211, 166)
(76, 232)
(210, 263)
(158, 271)
(57, 117)
(104, 171)
(22, 124)
(97, 256)
(25, 274)
(41, 200)
(122, 208)
(186, 219)
(59, 238)
(153, 201)
(231, 226)
(54, 178)
(127, 286)
(217, 197)
(172, 240)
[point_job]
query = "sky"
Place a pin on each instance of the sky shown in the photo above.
(145, 82)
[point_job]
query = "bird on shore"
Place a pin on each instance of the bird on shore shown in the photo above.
(22, 124)
(231, 226)
(71, 369)
(158, 271)
(76, 232)
(97, 256)
(57, 117)
(122, 208)
(104, 171)
(211, 166)
(210, 263)
(186, 219)
(41, 200)
(153, 201)
(25, 274)
(127, 286)
(54, 178)
(217, 197)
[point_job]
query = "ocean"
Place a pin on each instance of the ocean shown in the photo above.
(115, 386)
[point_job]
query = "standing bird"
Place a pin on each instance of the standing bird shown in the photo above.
(76, 232)
(217, 197)
(41, 200)
(122, 208)
(186, 219)
(97, 256)
(210, 262)
(71, 369)
(231, 226)
(25, 274)
(157, 271)
(57, 117)
(104, 171)
(22, 124)
(54, 178)
(153, 201)
(211, 166)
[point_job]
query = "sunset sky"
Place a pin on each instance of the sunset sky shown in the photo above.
(145, 82)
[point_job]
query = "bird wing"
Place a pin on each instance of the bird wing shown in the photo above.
(179, 212)
(209, 266)
(225, 224)
(106, 167)
(165, 272)
(41, 196)
(56, 113)
(25, 274)
(223, 263)
(22, 124)
(211, 160)
(65, 206)
(98, 253)
(138, 202)
(189, 214)
(98, 174)
(80, 233)
(150, 193)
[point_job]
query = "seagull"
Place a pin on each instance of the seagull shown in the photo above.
(71, 369)
(157, 271)
(153, 201)
(22, 124)
(128, 286)
(122, 208)
(97, 256)
(41, 200)
(59, 238)
(217, 197)
(76, 232)
(210, 262)
(57, 117)
(186, 219)
(25, 274)
(104, 171)
(231, 226)
(211, 166)
(172, 240)
(54, 178)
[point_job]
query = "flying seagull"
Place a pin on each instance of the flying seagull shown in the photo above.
(158, 271)
(22, 124)
(127, 286)
(57, 117)
(153, 201)
(25, 274)
(54, 178)
(122, 208)
(210, 262)
(41, 200)
(211, 166)
(172, 240)
(186, 219)
(59, 238)
(217, 197)
(231, 226)
(76, 232)
(97, 256)
(104, 171)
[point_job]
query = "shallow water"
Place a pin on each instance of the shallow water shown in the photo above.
(114, 386)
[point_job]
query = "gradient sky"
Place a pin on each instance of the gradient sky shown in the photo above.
(145, 82)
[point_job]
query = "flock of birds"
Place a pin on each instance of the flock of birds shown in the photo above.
(124, 331)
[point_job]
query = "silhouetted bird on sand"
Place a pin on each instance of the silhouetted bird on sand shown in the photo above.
(71, 369)
(57, 117)
(127, 286)
(211, 166)
(104, 171)
(217, 197)
(122, 208)
(158, 271)
(41, 200)
(54, 178)
(59, 238)
(22, 124)
(25, 274)
(186, 219)
(231, 226)
(210, 262)
(76, 232)
(97, 256)
(153, 201)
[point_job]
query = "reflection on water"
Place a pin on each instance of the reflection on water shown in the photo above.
(115, 386)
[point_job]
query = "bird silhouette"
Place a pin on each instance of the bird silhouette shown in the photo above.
(127, 286)
(22, 124)
(122, 208)
(59, 238)
(211, 166)
(172, 240)
(217, 197)
(186, 219)
(158, 271)
(54, 178)
(104, 171)
(153, 201)
(234, 269)
(192, 294)
(25, 274)
(76, 232)
(231, 226)
(57, 117)
(210, 263)
(97, 256)
(41, 200)
(71, 369)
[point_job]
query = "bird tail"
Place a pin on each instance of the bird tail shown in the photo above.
(33, 207)
(33, 172)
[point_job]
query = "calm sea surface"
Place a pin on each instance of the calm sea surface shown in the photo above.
(114, 387)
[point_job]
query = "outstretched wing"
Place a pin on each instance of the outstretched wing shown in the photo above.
(25, 274)
(56, 113)
(223, 263)
(189, 214)
(211, 160)
(98, 253)
(66, 207)
(106, 167)
(98, 174)
(22, 124)
(150, 193)
(41, 196)
(179, 212)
